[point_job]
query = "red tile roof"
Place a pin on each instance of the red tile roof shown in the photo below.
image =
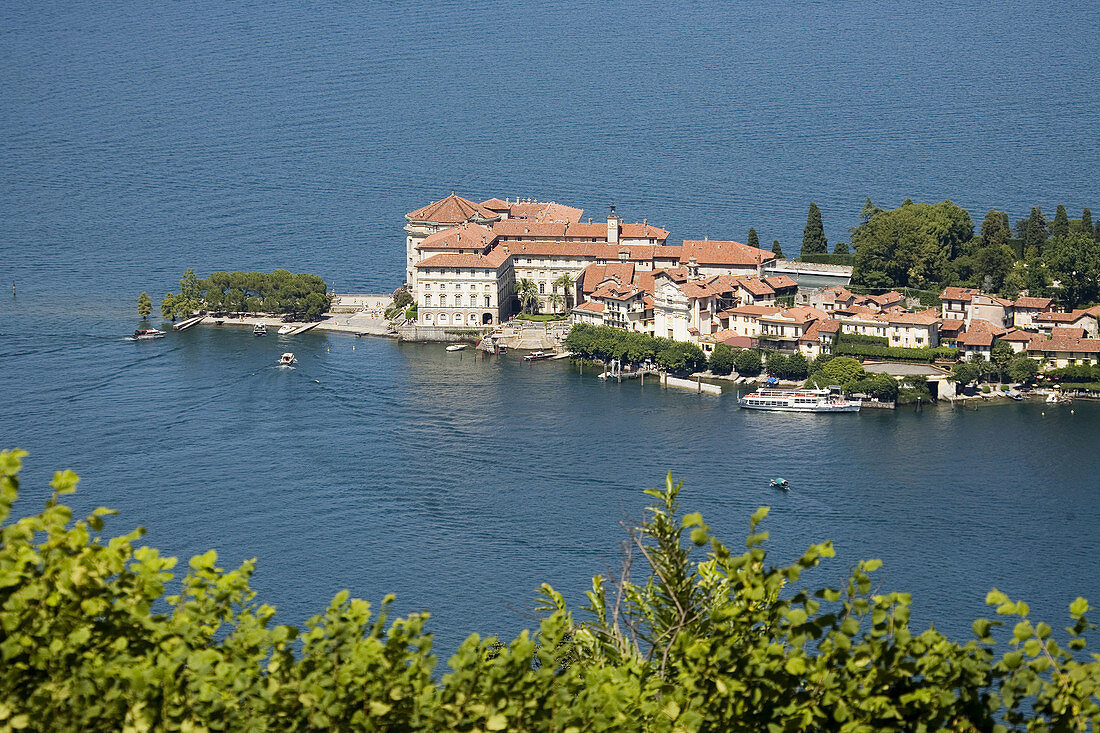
(733, 339)
(781, 282)
(751, 310)
(493, 260)
(717, 253)
(452, 210)
(1067, 332)
(578, 231)
(755, 286)
(1031, 303)
(1055, 317)
(590, 306)
(463, 236)
(594, 275)
(965, 294)
(1064, 345)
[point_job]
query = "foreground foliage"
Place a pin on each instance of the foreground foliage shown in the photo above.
(704, 638)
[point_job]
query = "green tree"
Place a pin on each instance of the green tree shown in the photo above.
(528, 294)
(994, 229)
(721, 359)
(144, 305)
(1060, 226)
(681, 357)
(797, 366)
(748, 363)
(965, 372)
(1035, 231)
(813, 235)
(777, 364)
(869, 211)
(93, 642)
(1000, 357)
(991, 265)
(1074, 260)
(1022, 369)
(910, 246)
(1036, 277)
(840, 248)
(1086, 223)
(777, 250)
(168, 307)
(754, 240)
(556, 301)
(839, 370)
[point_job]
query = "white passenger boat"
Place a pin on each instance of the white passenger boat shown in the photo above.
(456, 347)
(259, 330)
(801, 400)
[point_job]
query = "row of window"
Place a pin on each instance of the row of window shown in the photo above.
(458, 319)
(472, 301)
(458, 286)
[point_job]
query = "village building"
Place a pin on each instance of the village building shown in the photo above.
(1064, 350)
(437, 216)
(1045, 323)
(1026, 309)
(715, 257)
(977, 341)
(912, 330)
(464, 289)
(955, 303)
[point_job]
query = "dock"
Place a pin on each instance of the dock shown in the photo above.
(304, 327)
(186, 324)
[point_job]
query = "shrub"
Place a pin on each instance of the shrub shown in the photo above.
(91, 642)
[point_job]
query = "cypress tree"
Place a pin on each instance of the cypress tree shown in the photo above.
(813, 236)
(777, 250)
(754, 240)
(1035, 232)
(993, 230)
(1060, 226)
(1086, 222)
(1004, 223)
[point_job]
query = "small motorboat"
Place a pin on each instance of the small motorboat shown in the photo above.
(537, 356)
(287, 359)
(284, 330)
(147, 334)
(456, 347)
(259, 330)
(781, 484)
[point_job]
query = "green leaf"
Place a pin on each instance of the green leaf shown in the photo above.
(1079, 607)
(795, 666)
(694, 519)
(496, 721)
(699, 536)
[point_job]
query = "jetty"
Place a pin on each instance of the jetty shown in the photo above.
(304, 327)
(184, 325)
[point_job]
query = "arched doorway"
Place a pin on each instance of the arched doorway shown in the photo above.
(487, 319)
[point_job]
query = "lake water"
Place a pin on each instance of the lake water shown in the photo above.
(136, 141)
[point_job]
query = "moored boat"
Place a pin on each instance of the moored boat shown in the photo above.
(456, 347)
(259, 330)
(801, 400)
(285, 329)
(147, 334)
(537, 356)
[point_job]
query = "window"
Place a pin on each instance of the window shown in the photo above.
(487, 299)
(542, 288)
(442, 299)
(427, 301)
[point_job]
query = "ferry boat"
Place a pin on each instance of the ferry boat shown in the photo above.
(259, 330)
(147, 334)
(802, 400)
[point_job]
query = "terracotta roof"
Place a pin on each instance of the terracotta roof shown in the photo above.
(828, 325)
(723, 253)
(1055, 317)
(577, 230)
(1067, 332)
(839, 292)
(951, 325)
(543, 211)
(798, 314)
(493, 260)
(733, 339)
(965, 294)
(463, 236)
(1003, 302)
(1019, 336)
(594, 275)
(496, 204)
(1030, 302)
(1095, 311)
(1065, 344)
(981, 333)
(780, 282)
(709, 286)
(755, 286)
(617, 292)
(452, 210)
(590, 306)
(913, 319)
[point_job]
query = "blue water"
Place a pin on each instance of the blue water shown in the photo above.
(136, 141)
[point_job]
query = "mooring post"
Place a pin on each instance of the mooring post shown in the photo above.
(699, 384)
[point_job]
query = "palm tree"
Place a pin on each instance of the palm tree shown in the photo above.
(556, 300)
(528, 293)
(565, 282)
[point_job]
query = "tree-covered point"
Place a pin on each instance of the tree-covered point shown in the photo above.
(604, 343)
(302, 295)
(696, 636)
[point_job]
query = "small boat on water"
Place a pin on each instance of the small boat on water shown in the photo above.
(456, 347)
(287, 359)
(284, 330)
(781, 484)
(147, 334)
(537, 356)
(801, 400)
(259, 330)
